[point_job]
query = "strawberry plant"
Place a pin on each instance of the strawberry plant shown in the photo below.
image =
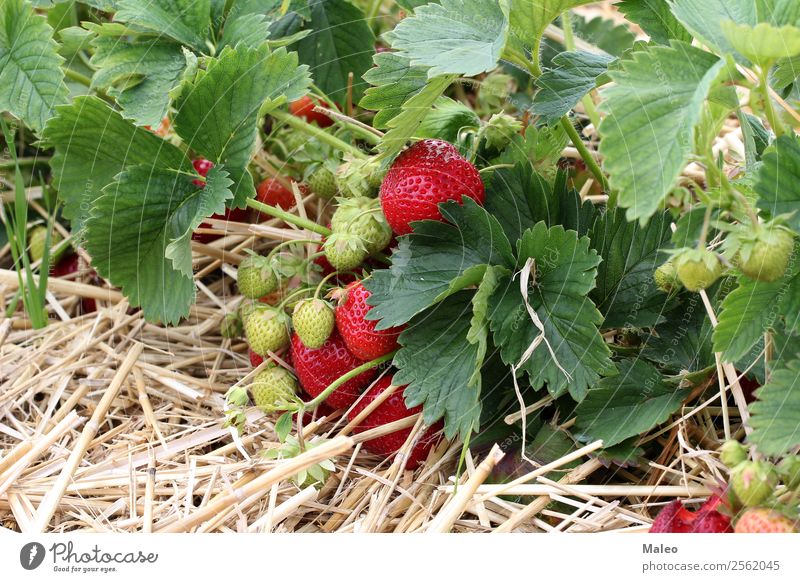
(506, 217)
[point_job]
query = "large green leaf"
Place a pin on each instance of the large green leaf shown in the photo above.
(394, 82)
(776, 414)
(750, 310)
(218, 110)
(140, 73)
(93, 143)
(609, 35)
(655, 18)
(626, 293)
(31, 79)
(762, 44)
(455, 37)
(778, 179)
(628, 404)
(651, 114)
(133, 223)
(704, 18)
(436, 260)
(340, 42)
(186, 21)
(439, 365)
(564, 273)
(561, 89)
(682, 342)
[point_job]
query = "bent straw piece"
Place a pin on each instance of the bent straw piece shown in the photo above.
(282, 471)
(9, 278)
(537, 490)
(50, 502)
(284, 510)
(448, 515)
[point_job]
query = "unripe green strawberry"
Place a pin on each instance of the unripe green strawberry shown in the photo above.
(753, 482)
(766, 258)
(274, 389)
(37, 237)
(500, 129)
(294, 141)
(364, 218)
(267, 329)
(789, 469)
(323, 183)
(698, 269)
(344, 251)
(256, 277)
(357, 177)
(231, 326)
(313, 320)
(732, 453)
(666, 277)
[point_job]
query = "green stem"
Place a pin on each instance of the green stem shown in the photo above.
(701, 243)
(286, 243)
(322, 135)
(591, 163)
(772, 117)
(324, 280)
(349, 376)
(296, 293)
(24, 163)
(533, 65)
(288, 217)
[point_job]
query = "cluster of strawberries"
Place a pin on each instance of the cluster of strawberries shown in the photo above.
(332, 351)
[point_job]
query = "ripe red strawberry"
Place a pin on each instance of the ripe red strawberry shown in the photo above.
(359, 333)
(304, 107)
(271, 191)
(255, 359)
(675, 518)
(318, 369)
(202, 166)
(69, 265)
(429, 172)
(763, 520)
(390, 410)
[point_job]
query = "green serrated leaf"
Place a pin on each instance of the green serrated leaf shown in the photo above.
(440, 366)
(562, 88)
(436, 260)
(778, 179)
(455, 37)
(394, 82)
(218, 110)
(762, 44)
(131, 226)
(340, 42)
(529, 18)
(751, 309)
(156, 64)
(704, 18)
(404, 124)
(565, 271)
(284, 426)
(626, 293)
(683, 341)
(776, 414)
(651, 114)
(447, 119)
(248, 29)
(186, 21)
(656, 20)
(193, 211)
(607, 34)
(478, 333)
(628, 404)
(31, 79)
(87, 160)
